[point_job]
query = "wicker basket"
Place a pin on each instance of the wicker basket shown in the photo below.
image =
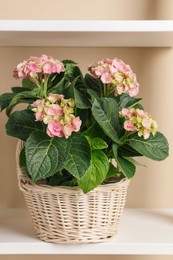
(67, 215)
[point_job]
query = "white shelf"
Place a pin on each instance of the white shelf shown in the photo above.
(139, 33)
(142, 232)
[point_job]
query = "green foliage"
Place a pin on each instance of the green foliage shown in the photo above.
(112, 171)
(79, 155)
(94, 86)
(5, 100)
(97, 143)
(94, 131)
(44, 155)
(22, 123)
(124, 100)
(28, 84)
(62, 178)
(126, 167)
(155, 147)
(22, 158)
(106, 113)
(23, 97)
(80, 98)
(96, 173)
(127, 151)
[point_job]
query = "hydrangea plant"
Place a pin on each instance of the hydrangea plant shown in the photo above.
(80, 130)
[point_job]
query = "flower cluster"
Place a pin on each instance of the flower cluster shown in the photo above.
(140, 121)
(34, 66)
(117, 74)
(57, 113)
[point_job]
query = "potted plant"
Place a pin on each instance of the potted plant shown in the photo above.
(78, 139)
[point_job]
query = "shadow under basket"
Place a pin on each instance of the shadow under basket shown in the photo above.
(67, 215)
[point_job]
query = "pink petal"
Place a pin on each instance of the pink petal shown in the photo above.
(76, 124)
(54, 128)
(129, 126)
(67, 130)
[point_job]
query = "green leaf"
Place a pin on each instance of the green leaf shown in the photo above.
(155, 147)
(127, 151)
(60, 179)
(5, 100)
(124, 100)
(28, 84)
(44, 155)
(93, 93)
(112, 171)
(65, 62)
(17, 90)
(24, 97)
(22, 123)
(79, 155)
(59, 87)
(96, 173)
(106, 113)
(127, 168)
(81, 100)
(68, 91)
(22, 158)
(72, 71)
(93, 83)
(97, 143)
(94, 131)
(54, 82)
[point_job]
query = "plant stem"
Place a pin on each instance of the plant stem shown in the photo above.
(104, 90)
(36, 82)
(126, 135)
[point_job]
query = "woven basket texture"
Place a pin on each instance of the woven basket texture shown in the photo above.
(67, 215)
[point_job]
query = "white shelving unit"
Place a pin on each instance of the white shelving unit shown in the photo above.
(86, 33)
(142, 231)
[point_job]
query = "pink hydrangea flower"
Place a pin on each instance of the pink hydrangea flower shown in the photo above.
(54, 110)
(67, 130)
(54, 128)
(125, 112)
(129, 126)
(58, 114)
(146, 122)
(121, 88)
(133, 91)
(117, 74)
(54, 97)
(106, 78)
(35, 66)
(76, 124)
(38, 103)
(140, 121)
(146, 133)
(39, 116)
(52, 67)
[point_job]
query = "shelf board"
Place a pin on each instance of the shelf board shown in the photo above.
(142, 232)
(122, 33)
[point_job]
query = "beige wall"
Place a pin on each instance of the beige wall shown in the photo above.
(152, 186)
(87, 10)
(77, 9)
